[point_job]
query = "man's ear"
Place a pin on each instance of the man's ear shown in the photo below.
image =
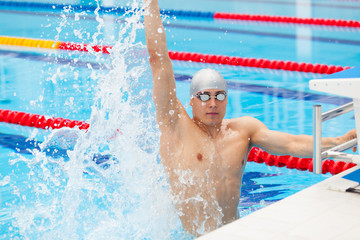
(192, 101)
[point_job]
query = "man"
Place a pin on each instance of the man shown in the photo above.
(205, 156)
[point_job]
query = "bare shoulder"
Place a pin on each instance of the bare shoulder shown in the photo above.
(246, 123)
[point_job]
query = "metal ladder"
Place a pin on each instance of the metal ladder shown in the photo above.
(337, 152)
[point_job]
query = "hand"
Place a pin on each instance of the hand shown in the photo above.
(349, 136)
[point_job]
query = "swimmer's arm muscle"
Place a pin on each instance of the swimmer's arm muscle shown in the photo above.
(164, 92)
(280, 143)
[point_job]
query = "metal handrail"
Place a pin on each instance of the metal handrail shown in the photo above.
(335, 152)
(345, 157)
(340, 148)
(337, 111)
(317, 120)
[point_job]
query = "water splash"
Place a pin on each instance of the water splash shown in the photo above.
(110, 184)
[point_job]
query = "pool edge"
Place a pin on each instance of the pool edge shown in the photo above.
(313, 213)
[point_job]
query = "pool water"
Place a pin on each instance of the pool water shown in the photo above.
(110, 184)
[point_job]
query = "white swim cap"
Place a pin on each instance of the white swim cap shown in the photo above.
(207, 79)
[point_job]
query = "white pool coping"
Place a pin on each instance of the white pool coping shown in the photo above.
(322, 211)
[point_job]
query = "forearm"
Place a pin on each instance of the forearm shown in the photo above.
(280, 143)
(302, 145)
(164, 87)
(330, 142)
(154, 30)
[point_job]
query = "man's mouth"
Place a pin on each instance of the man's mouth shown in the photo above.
(212, 113)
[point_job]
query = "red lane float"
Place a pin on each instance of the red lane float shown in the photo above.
(83, 47)
(286, 19)
(256, 62)
(182, 56)
(303, 164)
(226, 60)
(39, 121)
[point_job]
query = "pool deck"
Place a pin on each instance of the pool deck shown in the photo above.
(322, 211)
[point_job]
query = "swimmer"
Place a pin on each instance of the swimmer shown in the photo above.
(205, 156)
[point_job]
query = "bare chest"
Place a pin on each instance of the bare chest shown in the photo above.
(222, 155)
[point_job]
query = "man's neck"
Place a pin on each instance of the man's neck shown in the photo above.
(211, 130)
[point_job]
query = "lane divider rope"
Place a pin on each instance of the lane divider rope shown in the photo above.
(287, 19)
(49, 44)
(256, 154)
(303, 164)
(39, 121)
(256, 62)
(183, 56)
(192, 14)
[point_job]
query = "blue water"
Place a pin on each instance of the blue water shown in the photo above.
(63, 84)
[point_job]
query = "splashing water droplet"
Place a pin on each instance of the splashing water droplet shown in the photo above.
(77, 18)
(5, 181)
(110, 173)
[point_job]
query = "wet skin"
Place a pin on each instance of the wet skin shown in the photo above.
(205, 159)
(205, 156)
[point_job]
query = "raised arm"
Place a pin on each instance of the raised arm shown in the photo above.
(287, 144)
(164, 93)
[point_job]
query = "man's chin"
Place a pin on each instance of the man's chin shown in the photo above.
(212, 123)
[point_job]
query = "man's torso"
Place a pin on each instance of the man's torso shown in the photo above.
(205, 173)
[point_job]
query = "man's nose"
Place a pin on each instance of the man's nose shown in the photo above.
(212, 102)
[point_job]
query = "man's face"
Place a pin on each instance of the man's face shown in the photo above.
(210, 112)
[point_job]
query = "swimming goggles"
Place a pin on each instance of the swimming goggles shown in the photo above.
(206, 96)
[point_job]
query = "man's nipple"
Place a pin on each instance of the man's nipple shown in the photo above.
(199, 157)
